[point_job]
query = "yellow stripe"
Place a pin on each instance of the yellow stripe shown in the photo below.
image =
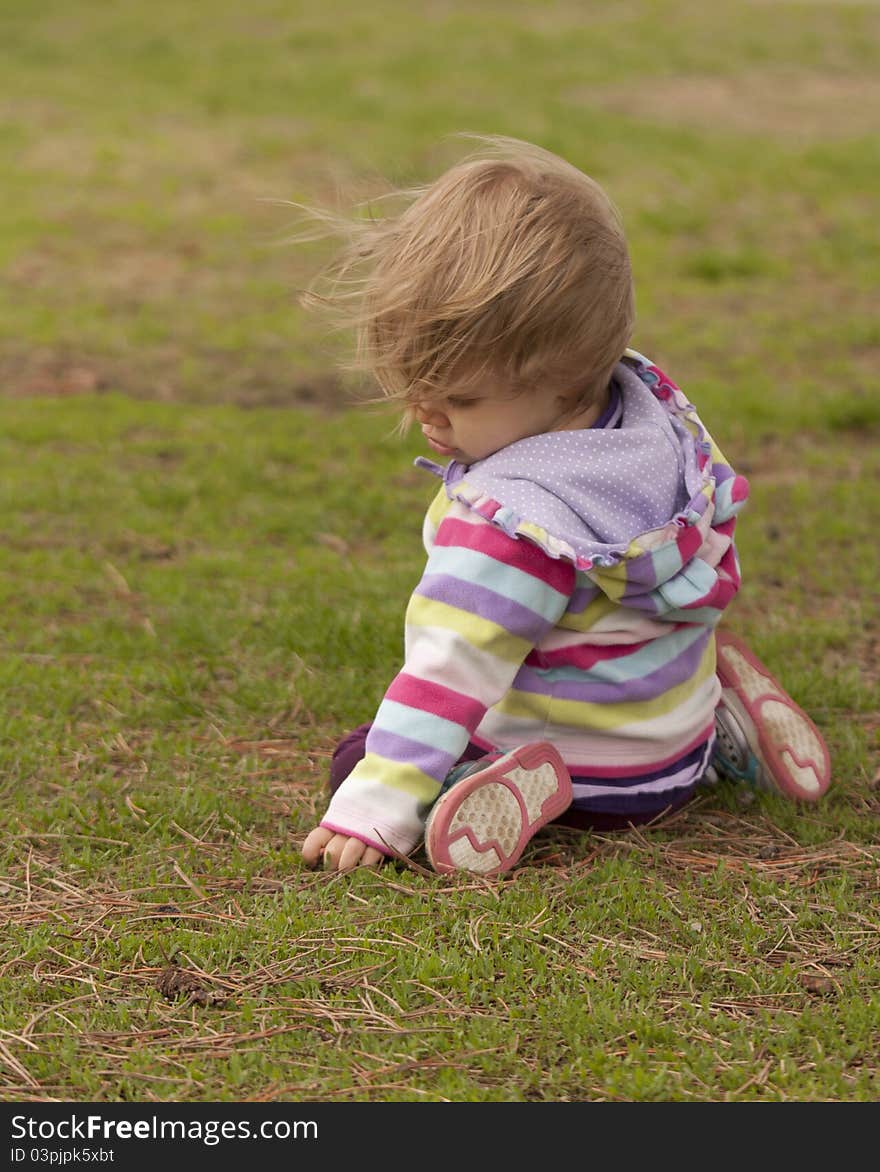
(717, 455)
(597, 609)
(582, 714)
(406, 778)
(613, 580)
(439, 507)
(538, 534)
(479, 632)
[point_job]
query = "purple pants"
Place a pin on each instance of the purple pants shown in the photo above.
(351, 749)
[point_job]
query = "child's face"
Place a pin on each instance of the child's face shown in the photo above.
(470, 424)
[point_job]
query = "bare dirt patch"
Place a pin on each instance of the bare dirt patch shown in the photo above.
(779, 460)
(263, 382)
(781, 104)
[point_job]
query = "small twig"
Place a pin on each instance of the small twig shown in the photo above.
(191, 883)
(405, 859)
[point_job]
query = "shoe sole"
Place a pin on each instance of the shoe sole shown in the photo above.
(484, 822)
(788, 745)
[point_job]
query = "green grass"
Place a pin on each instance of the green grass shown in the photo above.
(208, 552)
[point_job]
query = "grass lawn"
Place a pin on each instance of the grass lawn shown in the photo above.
(208, 549)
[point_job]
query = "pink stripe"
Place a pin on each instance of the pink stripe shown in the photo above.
(523, 555)
(728, 563)
(719, 596)
(587, 655)
(590, 770)
(689, 541)
(435, 698)
(726, 528)
(487, 508)
(740, 489)
(633, 771)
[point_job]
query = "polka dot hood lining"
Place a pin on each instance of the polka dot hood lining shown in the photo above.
(597, 496)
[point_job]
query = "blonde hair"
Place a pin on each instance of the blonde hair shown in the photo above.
(512, 264)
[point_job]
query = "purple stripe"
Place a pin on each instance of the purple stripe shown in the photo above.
(435, 762)
(645, 576)
(479, 600)
(641, 571)
(698, 504)
(641, 574)
(646, 804)
(581, 598)
(635, 804)
(632, 789)
(647, 687)
(650, 602)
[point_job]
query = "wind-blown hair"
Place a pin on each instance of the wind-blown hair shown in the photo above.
(512, 264)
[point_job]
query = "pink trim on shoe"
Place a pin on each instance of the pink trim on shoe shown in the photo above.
(484, 822)
(789, 747)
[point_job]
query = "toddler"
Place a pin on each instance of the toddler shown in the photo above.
(561, 655)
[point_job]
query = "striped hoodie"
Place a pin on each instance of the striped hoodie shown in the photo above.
(573, 583)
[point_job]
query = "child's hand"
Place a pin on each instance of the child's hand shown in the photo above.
(338, 851)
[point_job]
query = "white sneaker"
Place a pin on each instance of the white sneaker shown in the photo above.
(763, 737)
(483, 822)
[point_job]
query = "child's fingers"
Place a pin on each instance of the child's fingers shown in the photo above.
(353, 853)
(334, 850)
(357, 854)
(313, 847)
(350, 854)
(338, 852)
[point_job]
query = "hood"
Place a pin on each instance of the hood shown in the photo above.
(599, 497)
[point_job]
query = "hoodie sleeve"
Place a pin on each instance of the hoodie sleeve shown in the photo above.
(485, 599)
